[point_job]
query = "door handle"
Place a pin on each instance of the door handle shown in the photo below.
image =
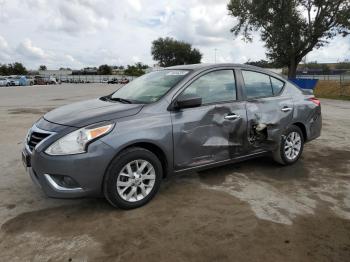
(286, 109)
(232, 117)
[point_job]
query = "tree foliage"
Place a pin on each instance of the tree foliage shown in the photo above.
(263, 64)
(291, 28)
(169, 52)
(343, 65)
(42, 68)
(13, 69)
(135, 70)
(104, 70)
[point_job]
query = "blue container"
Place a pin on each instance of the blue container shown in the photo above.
(305, 83)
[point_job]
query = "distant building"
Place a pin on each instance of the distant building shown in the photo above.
(85, 71)
(56, 73)
(117, 71)
(154, 68)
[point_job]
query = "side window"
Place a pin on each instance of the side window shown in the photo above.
(277, 85)
(217, 86)
(256, 84)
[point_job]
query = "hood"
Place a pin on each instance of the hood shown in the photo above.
(88, 112)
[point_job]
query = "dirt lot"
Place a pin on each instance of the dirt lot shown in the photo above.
(252, 211)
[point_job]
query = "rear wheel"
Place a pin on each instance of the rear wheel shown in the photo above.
(133, 178)
(291, 146)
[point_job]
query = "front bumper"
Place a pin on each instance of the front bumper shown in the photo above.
(86, 170)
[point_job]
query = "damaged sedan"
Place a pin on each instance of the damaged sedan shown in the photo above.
(121, 146)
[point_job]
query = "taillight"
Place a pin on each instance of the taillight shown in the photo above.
(315, 101)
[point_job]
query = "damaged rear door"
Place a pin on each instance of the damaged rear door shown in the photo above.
(215, 131)
(269, 112)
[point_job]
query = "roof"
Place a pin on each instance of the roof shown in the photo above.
(197, 67)
(210, 66)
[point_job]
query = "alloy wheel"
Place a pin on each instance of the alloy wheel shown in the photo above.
(136, 180)
(292, 146)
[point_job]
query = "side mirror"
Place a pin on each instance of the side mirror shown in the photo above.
(188, 101)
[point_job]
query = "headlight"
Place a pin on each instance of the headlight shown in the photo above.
(76, 142)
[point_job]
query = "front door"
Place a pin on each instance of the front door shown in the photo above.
(215, 131)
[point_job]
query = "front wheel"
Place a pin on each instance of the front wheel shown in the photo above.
(133, 178)
(291, 146)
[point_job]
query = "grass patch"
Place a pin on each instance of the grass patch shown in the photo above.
(333, 89)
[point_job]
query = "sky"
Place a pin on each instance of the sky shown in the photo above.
(81, 33)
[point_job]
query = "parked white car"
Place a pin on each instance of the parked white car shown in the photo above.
(13, 80)
(4, 81)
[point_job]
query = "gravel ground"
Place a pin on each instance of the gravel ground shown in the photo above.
(251, 211)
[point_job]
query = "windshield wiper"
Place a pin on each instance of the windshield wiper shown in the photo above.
(118, 99)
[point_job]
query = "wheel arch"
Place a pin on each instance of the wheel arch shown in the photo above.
(302, 128)
(155, 149)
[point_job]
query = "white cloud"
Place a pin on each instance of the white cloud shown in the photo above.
(337, 50)
(3, 43)
(4, 49)
(135, 4)
(78, 33)
(27, 49)
(136, 59)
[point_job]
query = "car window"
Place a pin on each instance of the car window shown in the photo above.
(277, 85)
(217, 86)
(256, 84)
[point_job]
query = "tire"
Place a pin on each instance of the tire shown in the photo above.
(119, 183)
(287, 153)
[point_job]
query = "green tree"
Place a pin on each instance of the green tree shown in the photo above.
(135, 70)
(291, 28)
(13, 69)
(104, 70)
(42, 68)
(263, 64)
(19, 69)
(4, 70)
(170, 52)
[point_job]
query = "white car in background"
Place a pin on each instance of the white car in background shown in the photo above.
(14, 80)
(4, 81)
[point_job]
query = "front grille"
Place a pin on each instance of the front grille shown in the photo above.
(35, 138)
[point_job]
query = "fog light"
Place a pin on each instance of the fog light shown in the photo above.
(65, 181)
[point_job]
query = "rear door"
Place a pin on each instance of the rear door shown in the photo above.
(269, 112)
(215, 131)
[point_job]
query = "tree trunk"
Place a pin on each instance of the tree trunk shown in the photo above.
(292, 68)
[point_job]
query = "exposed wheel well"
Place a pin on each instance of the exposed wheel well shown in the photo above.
(157, 151)
(302, 128)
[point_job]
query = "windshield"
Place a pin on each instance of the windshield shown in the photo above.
(151, 87)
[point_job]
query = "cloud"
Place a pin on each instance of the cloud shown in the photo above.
(337, 50)
(73, 17)
(27, 49)
(135, 4)
(3, 43)
(4, 49)
(78, 33)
